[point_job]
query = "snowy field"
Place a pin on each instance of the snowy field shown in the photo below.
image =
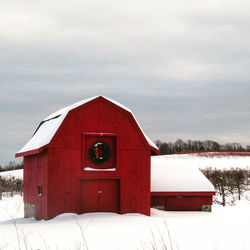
(224, 228)
(202, 162)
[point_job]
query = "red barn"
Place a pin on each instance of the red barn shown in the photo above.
(179, 187)
(88, 157)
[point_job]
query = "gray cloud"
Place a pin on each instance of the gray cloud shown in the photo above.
(181, 66)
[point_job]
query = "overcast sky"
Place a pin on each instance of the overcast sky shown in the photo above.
(181, 66)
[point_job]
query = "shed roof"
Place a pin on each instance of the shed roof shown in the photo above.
(49, 126)
(177, 178)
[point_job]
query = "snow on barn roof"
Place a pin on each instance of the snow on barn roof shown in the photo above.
(48, 127)
(167, 177)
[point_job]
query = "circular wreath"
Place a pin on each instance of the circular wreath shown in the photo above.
(99, 152)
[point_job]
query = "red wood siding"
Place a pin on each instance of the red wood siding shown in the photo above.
(135, 181)
(63, 171)
(35, 173)
(182, 201)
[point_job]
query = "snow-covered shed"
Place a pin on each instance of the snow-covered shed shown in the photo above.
(91, 156)
(179, 187)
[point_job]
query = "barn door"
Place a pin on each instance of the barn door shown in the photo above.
(99, 196)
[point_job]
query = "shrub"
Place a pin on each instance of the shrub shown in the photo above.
(228, 181)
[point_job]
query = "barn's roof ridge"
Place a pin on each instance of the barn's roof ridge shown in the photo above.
(48, 127)
(171, 177)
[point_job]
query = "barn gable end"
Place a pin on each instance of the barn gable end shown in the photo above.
(48, 128)
(73, 181)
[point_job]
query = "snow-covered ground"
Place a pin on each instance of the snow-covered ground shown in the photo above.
(224, 228)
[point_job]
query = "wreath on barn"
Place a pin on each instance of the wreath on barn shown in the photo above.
(99, 152)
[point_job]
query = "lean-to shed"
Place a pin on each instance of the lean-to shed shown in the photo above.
(88, 157)
(179, 187)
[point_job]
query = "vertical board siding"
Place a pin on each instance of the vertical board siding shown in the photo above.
(35, 173)
(181, 202)
(62, 181)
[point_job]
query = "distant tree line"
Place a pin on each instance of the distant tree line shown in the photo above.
(228, 183)
(11, 166)
(197, 146)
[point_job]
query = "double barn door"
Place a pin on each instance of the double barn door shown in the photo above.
(100, 196)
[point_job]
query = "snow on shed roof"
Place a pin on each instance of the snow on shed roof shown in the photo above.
(48, 127)
(177, 178)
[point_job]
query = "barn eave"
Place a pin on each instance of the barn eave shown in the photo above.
(183, 193)
(31, 152)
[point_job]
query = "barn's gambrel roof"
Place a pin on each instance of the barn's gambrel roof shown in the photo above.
(49, 126)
